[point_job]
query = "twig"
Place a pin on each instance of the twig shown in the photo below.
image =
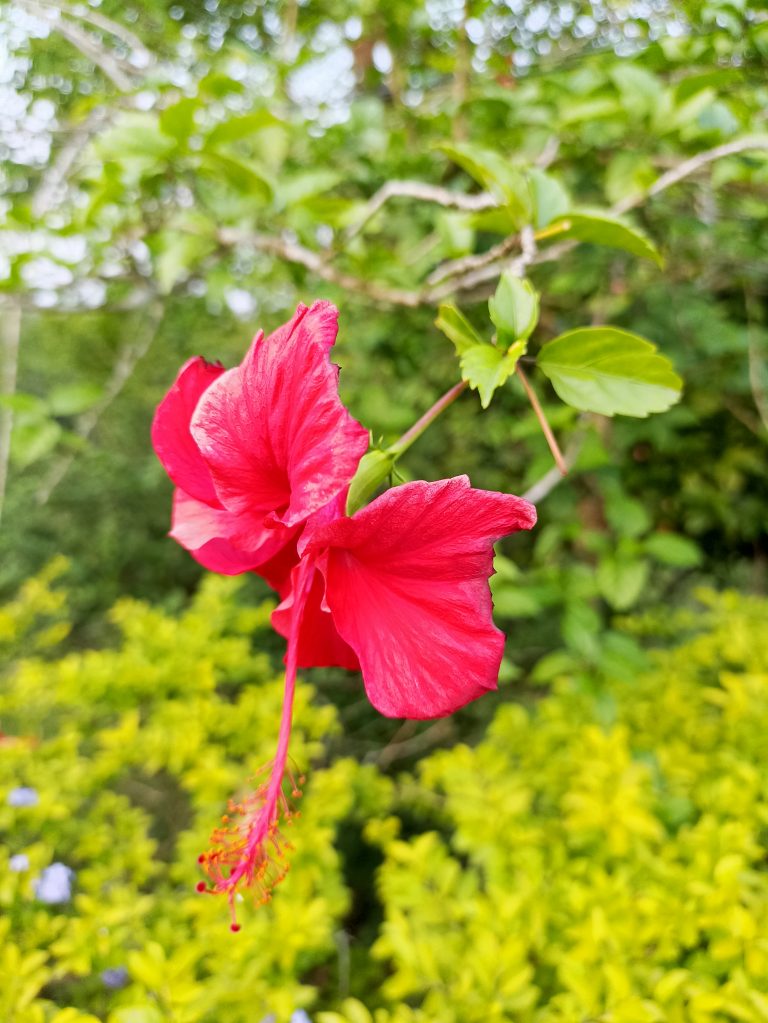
(114, 28)
(419, 190)
(544, 486)
(10, 337)
(112, 67)
(543, 422)
(466, 264)
(121, 373)
(690, 166)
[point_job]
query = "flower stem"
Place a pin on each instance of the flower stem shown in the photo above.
(545, 427)
(442, 403)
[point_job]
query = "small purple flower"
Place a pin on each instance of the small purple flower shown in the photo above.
(54, 885)
(299, 1016)
(23, 796)
(115, 977)
(19, 863)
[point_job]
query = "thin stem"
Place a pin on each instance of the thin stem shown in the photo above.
(429, 416)
(543, 422)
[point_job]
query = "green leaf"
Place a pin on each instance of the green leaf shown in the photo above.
(176, 253)
(374, 468)
(486, 367)
(610, 371)
(457, 328)
(72, 399)
(241, 127)
(134, 134)
(303, 186)
(244, 177)
(622, 582)
(674, 550)
(497, 174)
(514, 309)
(550, 199)
(604, 229)
(34, 440)
(178, 120)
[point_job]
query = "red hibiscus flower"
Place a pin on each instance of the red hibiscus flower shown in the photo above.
(262, 457)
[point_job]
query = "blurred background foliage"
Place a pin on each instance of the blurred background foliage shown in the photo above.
(176, 175)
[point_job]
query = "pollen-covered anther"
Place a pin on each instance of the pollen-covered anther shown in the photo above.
(248, 851)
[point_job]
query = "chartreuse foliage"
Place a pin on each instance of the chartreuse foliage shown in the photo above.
(133, 752)
(600, 857)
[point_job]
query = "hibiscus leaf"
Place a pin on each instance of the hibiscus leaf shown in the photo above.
(457, 328)
(610, 371)
(486, 367)
(514, 309)
(495, 172)
(604, 229)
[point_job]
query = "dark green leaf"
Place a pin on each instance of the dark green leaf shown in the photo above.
(610, 371)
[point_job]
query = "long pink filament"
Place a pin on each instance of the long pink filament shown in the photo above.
(253, 852)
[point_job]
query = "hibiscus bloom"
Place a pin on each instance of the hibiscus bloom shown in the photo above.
(262, 457)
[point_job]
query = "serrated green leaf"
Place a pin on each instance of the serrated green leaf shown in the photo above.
(610, 371)
(604, 229)
(457, 328)
(486, 367)
(514, 309)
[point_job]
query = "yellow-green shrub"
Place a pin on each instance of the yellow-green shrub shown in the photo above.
(133, 752)
(602, 858)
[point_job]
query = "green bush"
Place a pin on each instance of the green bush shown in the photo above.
(598, 857)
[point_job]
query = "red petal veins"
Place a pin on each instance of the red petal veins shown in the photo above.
(211, 536)
(407, 584)
(171, 437)
(277, 440)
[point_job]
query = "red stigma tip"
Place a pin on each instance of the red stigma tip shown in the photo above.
(234, 928)
(201, 886)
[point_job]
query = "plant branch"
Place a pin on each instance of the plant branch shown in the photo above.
(423, 191)
(116, 70)
(543, 422)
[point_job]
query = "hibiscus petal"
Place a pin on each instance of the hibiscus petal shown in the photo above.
(407, 584)
(319, 643)
(207, 533)
(171, 437)
(273, 432)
